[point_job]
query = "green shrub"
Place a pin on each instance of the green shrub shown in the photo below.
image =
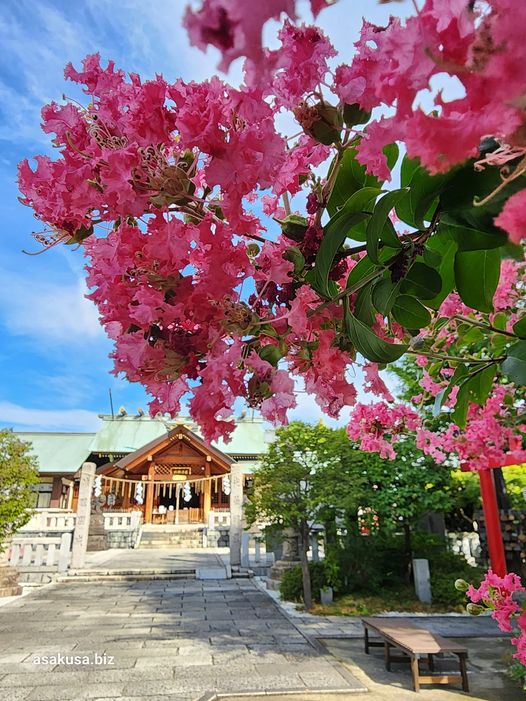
(446, 567)
(291, 586)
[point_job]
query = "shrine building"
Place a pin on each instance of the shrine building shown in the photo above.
(158, 466)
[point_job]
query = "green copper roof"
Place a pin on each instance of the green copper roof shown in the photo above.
(124, 434)
(65, 452)
(59, 452)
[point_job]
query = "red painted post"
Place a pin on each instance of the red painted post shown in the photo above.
(492, 521)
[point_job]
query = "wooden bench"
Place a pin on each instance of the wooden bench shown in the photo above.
(416, 644)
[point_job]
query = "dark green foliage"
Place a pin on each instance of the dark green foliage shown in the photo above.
(18, 473)
(291, 586)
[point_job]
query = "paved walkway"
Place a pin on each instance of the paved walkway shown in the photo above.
(451, 625)
(156, 640)
(169, 559)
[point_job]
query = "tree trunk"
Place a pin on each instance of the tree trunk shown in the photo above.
(408, 552)
(503, 499)
(305, 571)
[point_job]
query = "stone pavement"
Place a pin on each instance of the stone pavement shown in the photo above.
(449, 625)
(156, 640)
(174, 558)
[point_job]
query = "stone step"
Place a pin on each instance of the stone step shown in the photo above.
(125, 575)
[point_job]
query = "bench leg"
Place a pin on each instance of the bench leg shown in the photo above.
(387, 655)
(415, 673)
(463, 672)
(366, 640)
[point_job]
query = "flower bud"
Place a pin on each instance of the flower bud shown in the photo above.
(475, 609)
(461, 585)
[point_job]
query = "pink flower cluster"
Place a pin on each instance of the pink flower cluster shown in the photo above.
(490, 436)
(161, 183)
(496, 593)
(378, 426)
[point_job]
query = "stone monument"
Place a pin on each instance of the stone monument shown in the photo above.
(290, 558)
(96, 532)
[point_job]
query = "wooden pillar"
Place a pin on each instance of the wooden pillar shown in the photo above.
(207, 493)
(126, 495)
(56, 493)
(177, 497)
(149, 495)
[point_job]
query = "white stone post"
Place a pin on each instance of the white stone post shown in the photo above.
(245, 542)
(63, 553)
(422, 580)
(80, 536)
(236, 514)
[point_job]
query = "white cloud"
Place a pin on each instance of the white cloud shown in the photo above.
(47, 311)
(23, 419)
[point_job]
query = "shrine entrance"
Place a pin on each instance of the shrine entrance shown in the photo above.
(175, 479)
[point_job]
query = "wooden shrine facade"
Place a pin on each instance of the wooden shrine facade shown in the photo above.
(175, 479)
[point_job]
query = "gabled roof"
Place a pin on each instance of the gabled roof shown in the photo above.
(179, 433)
(58, 452)
(61, 452)
(124, 434)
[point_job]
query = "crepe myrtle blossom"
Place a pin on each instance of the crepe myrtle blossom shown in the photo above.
(497, 595)
(163, 184)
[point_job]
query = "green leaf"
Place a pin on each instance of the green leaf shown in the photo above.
(519, 327)
(378, 220)
(335, 233)
(270, 353)
(460, 373)
(460, 410)
(480, 383)
(368, 343)
(424, 189)
(432, 257)
(475, 388)
(410, 313)
(446, 247)
(384, 295)
(439, 399)
(469, 239)
(363, 308)
(365, 266)
(422, 281)
(477, 276)
(354, 114)
(515, 364)
(352, 176)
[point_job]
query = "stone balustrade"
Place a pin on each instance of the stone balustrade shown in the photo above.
(253, 551)
(218, 518)
(45, 520)
(121, 520)
(38, 557)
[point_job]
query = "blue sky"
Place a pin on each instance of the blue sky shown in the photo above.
(53, 353)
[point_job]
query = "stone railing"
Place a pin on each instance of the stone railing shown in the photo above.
(218, 519)
(122, 528)
(121, 520)
(37, 558)
(253, 551)
(45, 520)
